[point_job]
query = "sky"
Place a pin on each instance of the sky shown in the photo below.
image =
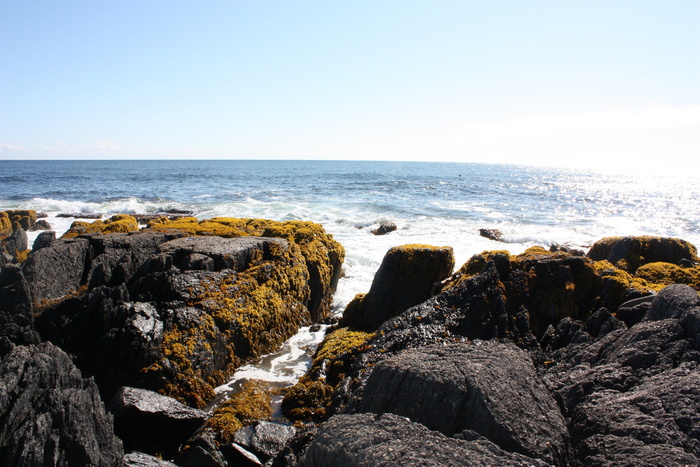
(566, 83)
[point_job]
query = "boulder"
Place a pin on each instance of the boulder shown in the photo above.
(408, 275)
(51, 415)
(44, 239)
(487, 387)
(368, 439)
(673, 302)
(42, 224)
(148, 421)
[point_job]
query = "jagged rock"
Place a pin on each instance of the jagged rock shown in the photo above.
(384, 228)
(492, 234)
(407, 276)
(673, 302)
(633, 311)
(50, 414)
(140, 459)
(44, 239)
(55, 271)
(368, 439)
(487, 387)
(629, 253)
(20, 238)
(16, 316)
(148, 421)
(264, 439)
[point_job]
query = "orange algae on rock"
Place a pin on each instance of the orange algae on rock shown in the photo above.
(629, 253)
(121, 223)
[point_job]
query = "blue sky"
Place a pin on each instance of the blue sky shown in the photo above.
(536, 82)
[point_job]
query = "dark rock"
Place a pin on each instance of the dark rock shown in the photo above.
(492, 234)
(603, 322)
(224, 253)
(487, 387)
(633, 311)
(20, 239)
(16, 316)
(672, 302)
(407, 276)
(140, 459)
(42, 225)
(44, 239)
(80, 215)
(554, 247)
(264, 439)
(51, 415)
(384, 228)
(368, 439)
(148, 421)
(200, 457)
(55, 271)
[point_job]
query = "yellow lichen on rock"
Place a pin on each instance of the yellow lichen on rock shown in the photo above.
(5, 225)
(121, 223)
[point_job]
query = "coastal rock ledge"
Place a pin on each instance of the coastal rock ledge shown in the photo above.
(542, 358)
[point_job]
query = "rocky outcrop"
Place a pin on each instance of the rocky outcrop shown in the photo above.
(50, 414)
(175, 314)
(384, 228)
(492, 234)
(16, 313)
(408, 275)
(368, 439)
(621, 363)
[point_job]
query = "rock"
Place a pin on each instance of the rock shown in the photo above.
(44, 239)
(633, 311)
(50, 414)
(16, 313)
(179, 315)
(486, 387)
(140, 459)
(148, 421)
(629, 253)
(42, 225)
(407, 276)
(20, 238)
(492, 234)
(22, 218)
(384, 228)
(672, 302)
(264, 439)
(368, 439)
(57, 270)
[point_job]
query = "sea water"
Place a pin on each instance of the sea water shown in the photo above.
(443, 204)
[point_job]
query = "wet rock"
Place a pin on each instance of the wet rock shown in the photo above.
(673, 302)
(151, 422)
(492, 234)
(44, 239)
(487, 387)
(368, 439)
(384, 228)
(407, 276)
(50, 414)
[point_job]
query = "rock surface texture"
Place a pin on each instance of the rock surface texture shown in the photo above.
(559, 358)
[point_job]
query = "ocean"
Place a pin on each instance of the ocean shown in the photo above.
(435, 203)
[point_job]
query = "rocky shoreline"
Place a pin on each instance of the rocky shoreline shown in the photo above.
(114, 336)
